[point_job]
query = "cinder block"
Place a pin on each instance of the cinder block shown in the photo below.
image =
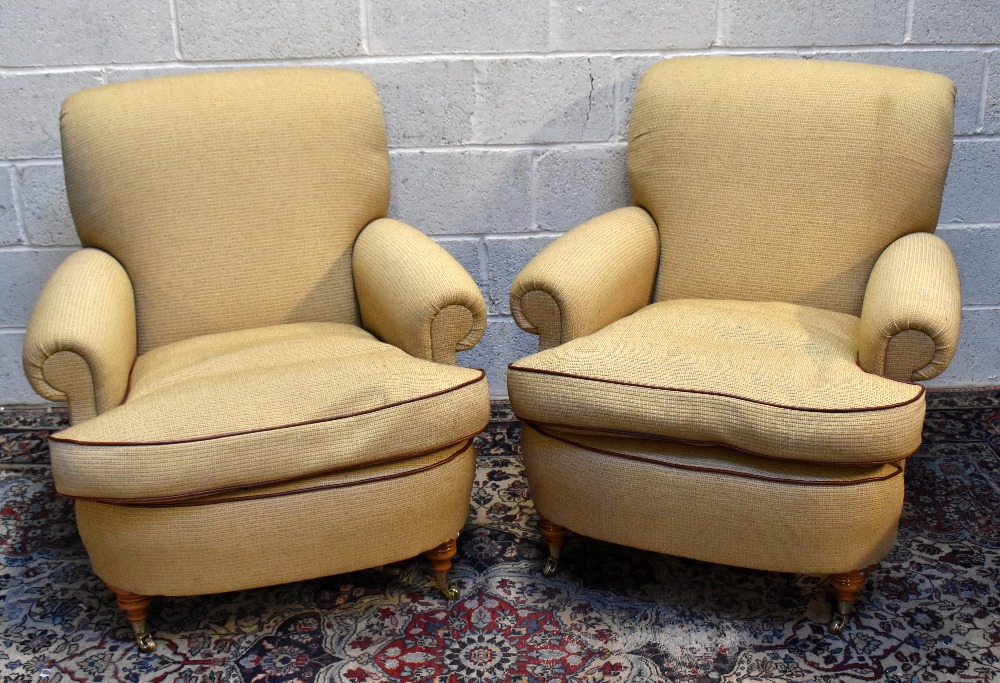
(44, 209)
(968, 21)
(991, 124)
(405, 27)
(462, 192)
(425, 103)
(631, 24)
(630, 70)
(9, 231)
(812, 22)
(23, 273)
(503, 343)
(95, 32)
(574, 185)
(977, 251)
(970, 195)
(29, 111)
(233, 29)
(466, 252)
(528, 100)
(975, 362)
(14, 387)
(505, 258)
(964, 68)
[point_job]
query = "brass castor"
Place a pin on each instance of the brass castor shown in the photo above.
(554, 536)
(136, 609)
(440, 558)
(847, 586)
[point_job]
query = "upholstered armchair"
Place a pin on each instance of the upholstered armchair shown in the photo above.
(259, 365)
(727, 369)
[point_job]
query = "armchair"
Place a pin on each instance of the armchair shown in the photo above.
(727, 369)
(259, 365)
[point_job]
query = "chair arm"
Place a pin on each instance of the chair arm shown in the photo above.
(413, 294)
(912, 310)
(81, 339)
(596, 273)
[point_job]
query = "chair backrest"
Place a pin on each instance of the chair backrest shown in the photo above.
(781, 179)
(233, 198)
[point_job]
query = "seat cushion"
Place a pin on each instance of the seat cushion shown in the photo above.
(773, 379)
(262, 406)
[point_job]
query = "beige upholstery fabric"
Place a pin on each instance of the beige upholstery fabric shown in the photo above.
(714, 517)
(81, 340)
(595, 274)
(413, 294)
(260, 542)
(263, 436)
(914, 288)
(771, 378)
(232, 199)
(749, 416)
(240, 409)
(775, 179)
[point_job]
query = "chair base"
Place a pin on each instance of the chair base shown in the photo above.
(440, 558)
(786, 524)
(555, 535)
(136, 608)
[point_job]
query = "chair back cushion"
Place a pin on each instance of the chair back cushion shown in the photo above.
(781, 179)
(232, 199)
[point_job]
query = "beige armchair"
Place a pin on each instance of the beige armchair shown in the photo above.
(259, 365)
(727, 369)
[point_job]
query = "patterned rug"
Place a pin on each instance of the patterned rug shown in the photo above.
(931, 612)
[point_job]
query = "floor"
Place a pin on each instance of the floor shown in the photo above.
(931, 612)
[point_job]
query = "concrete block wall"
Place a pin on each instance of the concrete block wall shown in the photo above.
(506, 120)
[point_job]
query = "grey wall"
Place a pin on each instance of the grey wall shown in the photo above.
(506, 119)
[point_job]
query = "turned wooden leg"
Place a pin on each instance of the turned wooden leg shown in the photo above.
(440, 558)
(554, 536)
(137, 611)
(846, 586)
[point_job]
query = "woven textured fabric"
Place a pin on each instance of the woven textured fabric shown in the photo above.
(80, 342)
(237, 545)
(413, 294)
(595, 274)
(232, 199)
(245, 408)
(776, 379)
(714, 517)
(913, 289)
(783, 180)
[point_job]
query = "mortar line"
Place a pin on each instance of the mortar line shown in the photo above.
(484, 270)
(718, 24)
(363, 26)
(13, 329)
(176, 29)
(16, 248)
(980, 307)
(981, 137)
(968, 226)
(31, 161)
(983, 90)
(908, 22)
(616, 90)
(511, 147)
(349, 60)
(15, 197)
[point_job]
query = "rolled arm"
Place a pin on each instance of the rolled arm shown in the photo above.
(413, 294)
(595, 274)
(81, 339)
(912, 310)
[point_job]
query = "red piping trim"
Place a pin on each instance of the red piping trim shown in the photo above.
(556, 373)
(304, 423)
(898, 469)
